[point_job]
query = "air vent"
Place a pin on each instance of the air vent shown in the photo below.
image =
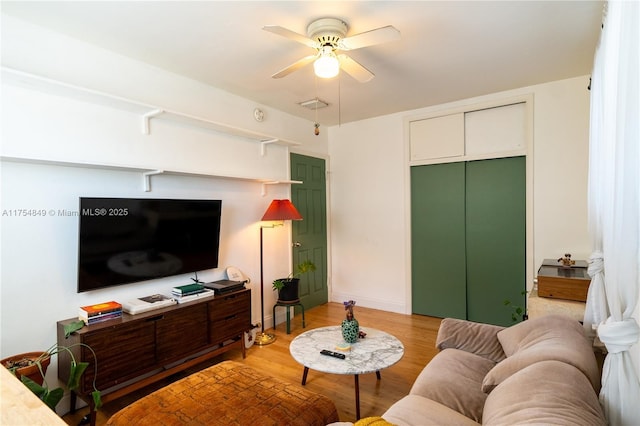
(314, 104)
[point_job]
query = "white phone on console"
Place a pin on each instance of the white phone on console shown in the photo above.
(235, 274)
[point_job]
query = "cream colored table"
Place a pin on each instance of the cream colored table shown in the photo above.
(20, 406)
(378, 350)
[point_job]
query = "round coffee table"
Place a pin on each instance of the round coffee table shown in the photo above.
(378, 350)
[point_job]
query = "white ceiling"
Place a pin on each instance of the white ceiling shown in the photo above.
(449, 50)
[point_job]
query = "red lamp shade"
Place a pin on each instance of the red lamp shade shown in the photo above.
(281, 210)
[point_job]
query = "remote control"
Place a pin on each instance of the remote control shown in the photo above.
(333, 354)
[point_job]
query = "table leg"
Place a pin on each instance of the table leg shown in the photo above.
(92, 415)
(288, 308)
(73, 399)
(357, 386)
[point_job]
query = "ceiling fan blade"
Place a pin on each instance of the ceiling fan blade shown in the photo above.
(295, 66)
(354, 69)
(292, 35)
(370, 38)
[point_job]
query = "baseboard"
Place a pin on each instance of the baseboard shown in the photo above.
(370, 302)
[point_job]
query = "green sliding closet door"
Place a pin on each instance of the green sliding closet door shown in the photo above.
(438, 240)
(468, 239)
(496, 238)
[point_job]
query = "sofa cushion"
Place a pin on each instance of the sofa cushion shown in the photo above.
(454, 379)
(478, 338)
(552, 337)
(417, 410)
(547, 392)
(527, 333)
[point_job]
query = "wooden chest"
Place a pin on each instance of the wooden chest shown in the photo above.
(563, 283)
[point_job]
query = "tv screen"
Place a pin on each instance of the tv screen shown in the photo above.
(125, 240)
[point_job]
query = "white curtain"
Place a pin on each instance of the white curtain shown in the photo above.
(614, 208)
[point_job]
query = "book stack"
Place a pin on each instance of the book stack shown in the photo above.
(101, 312)
(187, 290)
(194, 296)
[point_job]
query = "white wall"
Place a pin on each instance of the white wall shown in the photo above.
(370, 197)
(36, 50)
(561, 163)
(368, 208)
(39, 253)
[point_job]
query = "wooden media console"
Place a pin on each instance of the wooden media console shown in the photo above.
(137, 350)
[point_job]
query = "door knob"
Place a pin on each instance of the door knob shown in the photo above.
(297, 244)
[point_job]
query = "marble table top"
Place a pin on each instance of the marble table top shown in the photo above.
(378, 350)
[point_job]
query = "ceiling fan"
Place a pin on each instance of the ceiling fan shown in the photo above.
(327, 36)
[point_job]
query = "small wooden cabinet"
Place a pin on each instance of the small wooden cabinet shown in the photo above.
(572, 283)
(136, 350)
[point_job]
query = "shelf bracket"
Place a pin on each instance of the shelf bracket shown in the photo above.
(147, 179)
(146, 119)
(263, 145)
(277, 182)
(264, 187)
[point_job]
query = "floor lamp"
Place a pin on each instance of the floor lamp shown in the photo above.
(278, 211)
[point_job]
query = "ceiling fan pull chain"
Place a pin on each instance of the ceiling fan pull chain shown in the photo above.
(339, 101)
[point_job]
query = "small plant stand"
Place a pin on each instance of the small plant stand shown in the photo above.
(288, 304)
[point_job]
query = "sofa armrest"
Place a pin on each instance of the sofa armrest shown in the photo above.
(474, 337)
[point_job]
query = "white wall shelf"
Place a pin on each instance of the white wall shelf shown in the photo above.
(147, 112)
(147, 173)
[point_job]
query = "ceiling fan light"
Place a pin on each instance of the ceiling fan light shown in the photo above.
(326, 66)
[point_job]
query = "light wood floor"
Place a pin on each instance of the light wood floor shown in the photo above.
(416, 332)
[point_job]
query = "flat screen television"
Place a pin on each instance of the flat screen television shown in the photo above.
(126, 240)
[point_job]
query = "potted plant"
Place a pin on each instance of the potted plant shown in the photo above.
(518, 312)
(30, 364)
(31, 367)
(288, 287)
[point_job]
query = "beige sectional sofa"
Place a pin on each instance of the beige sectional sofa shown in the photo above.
(541, 371)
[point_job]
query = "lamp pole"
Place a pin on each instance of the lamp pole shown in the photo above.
(263, 338)
(278, 210)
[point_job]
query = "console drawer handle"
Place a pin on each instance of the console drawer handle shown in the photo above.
(156, 318)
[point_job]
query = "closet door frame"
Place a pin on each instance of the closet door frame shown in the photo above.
(527, 152)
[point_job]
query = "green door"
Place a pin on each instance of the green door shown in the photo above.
(496, 238)
(438, 240)
(310, 234)
(468, 239)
